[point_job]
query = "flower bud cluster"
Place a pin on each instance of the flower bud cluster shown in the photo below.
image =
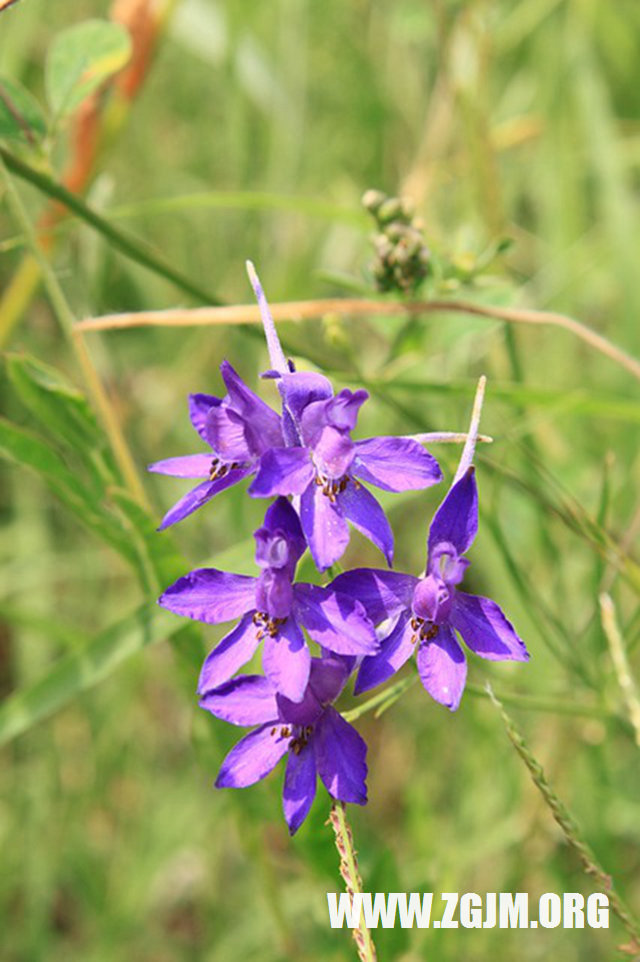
(402, 258)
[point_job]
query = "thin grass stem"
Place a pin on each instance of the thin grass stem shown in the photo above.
(620, 662)
(567, 823)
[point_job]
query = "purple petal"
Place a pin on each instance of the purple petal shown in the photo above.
(282, 471)
(252, 758)
(246, 700)
(339, 413)
(325, 529)
(333, 453)
(328, 677)
(188, 466)
(485, 629)
(286, 660)
(443, 668)
(281, 516)
(432, 599)
(209, 595)
(336, 621)
(226, 433)
(341, 758)
(395, 650)
(299, 787)
(305, 712)
(342, 410)
(264, 428)
(456, 520)
(234, 651)
(274, 593)
(383, 593)
(365, 514)
(303, 388)
(395, 464)
(202, 493)
(199, 407)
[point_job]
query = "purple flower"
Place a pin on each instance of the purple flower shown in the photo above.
(428, 611)
(317, 739)
(324, 468)
(239, 428)
(273, 609)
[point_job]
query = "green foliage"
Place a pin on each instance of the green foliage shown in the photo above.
(93, 661)
(60, 407)
(21, 117)
(80, 59)
(509, 128)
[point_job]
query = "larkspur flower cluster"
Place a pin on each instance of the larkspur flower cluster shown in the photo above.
(365, 621)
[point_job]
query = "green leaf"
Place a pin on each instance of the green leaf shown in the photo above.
(58, 405)
(161, 553)
(83, 669)
(28, 450)
(21, 116)
(80, 59)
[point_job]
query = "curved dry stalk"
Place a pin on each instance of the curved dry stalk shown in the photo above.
(308, 310)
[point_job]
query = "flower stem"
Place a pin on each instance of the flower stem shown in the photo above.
(567, 824)
(351, 876)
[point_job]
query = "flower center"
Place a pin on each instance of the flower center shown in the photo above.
(266, 625)
(332, 487)
(423, 629)
(299, 735)
(219, 469)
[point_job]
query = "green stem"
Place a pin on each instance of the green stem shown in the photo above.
(386, 698)
(381, 701)
(351, 876)
(531, 703)
(567, 824)
(121, 240)
(65, 318)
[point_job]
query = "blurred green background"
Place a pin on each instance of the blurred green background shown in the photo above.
(255, 133)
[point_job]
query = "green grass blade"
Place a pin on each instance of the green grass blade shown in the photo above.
(126, 243)
(83, 669)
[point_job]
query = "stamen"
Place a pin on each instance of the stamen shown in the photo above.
(332, 488)
(301, 739)
(266, 625)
